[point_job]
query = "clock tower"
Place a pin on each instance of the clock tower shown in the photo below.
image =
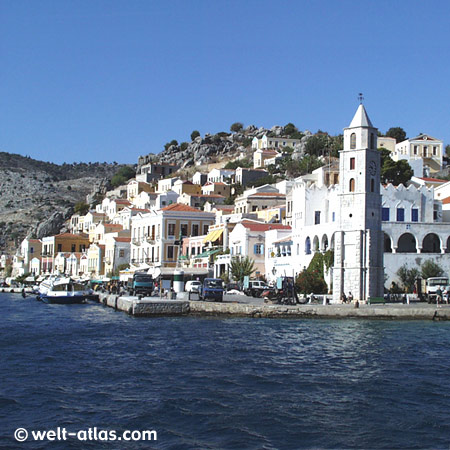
(358, 259)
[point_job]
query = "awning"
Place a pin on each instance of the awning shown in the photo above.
(183, 257)
(207, 254)
(213, 236)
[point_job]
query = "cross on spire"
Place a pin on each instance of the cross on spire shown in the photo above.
(360, 98)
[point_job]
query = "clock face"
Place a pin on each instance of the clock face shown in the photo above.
(372, 168)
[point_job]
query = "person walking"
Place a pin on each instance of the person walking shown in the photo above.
(438, 296)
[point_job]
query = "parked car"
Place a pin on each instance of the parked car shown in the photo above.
(193, 286)
(255, 288)
(212, 289)
(233, 287)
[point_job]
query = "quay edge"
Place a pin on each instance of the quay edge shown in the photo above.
(153, 306)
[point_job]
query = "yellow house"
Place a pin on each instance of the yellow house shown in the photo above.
(134, 188)
(95, 260)
(186, 187)
(156, 235)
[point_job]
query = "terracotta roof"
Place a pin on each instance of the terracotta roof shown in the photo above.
(71, 235)
(139, 210)
(269, 151)
(433, 180)
(122, 202)
(113, 225)
(446, 200)
(209, 195)
(180, 207)
(122, 239)
(260, 226)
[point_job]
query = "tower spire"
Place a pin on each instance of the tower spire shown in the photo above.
(360, 98)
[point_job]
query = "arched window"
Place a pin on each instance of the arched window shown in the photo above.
(351, 185)
(431, 244)
(372, 185)
(353, 140)
(372, 140)
(308, 246)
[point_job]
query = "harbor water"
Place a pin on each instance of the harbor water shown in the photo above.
(205, 383)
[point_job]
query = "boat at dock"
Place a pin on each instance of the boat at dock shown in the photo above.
(64, 291)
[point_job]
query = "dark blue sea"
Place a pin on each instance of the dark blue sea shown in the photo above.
(222, 384)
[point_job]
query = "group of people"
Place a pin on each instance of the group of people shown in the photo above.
(347, 299)
(442, 296)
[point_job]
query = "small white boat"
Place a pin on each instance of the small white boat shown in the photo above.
(63, 291)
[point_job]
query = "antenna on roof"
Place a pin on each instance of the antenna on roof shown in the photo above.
(360, 98)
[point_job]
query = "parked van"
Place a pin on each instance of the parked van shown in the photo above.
(212, 288)
(193, 286)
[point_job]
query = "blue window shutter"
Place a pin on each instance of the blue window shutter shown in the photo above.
(414, 215)
(400, 215)
(254, 249)
(385, 214)
(262, 249)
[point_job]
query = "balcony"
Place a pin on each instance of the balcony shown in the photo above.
(136, 241)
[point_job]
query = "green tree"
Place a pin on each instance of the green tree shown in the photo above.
(241, 267)
(431, 269)
(447, 151)
(308, 281)
(244, 162)
(317, 145)
(289, 129)
(8, 270)
(122, 176)
(81, 208)
(184, 146)
(312, 278)
(236, 126)
(21, 278)
(195, 134)
(397, 133)
(169, 144)
(396, 172)
(408, 277)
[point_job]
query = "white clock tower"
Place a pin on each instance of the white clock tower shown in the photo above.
(358, 259)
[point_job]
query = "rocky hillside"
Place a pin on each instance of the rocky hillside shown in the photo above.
(36, 197)
(213, 147)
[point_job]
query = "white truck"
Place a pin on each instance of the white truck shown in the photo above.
(433, 284)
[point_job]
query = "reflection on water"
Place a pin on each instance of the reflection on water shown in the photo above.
(235, 383)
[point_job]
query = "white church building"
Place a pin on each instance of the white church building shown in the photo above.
(373, 229)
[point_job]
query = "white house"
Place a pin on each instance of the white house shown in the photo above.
(372, 229)
(221, 175)
(423, 147)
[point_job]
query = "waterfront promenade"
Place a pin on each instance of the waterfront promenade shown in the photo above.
(243, 306)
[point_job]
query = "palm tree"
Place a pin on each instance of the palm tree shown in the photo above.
(242, 267)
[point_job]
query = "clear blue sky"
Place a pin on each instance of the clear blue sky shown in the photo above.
(94, 80)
